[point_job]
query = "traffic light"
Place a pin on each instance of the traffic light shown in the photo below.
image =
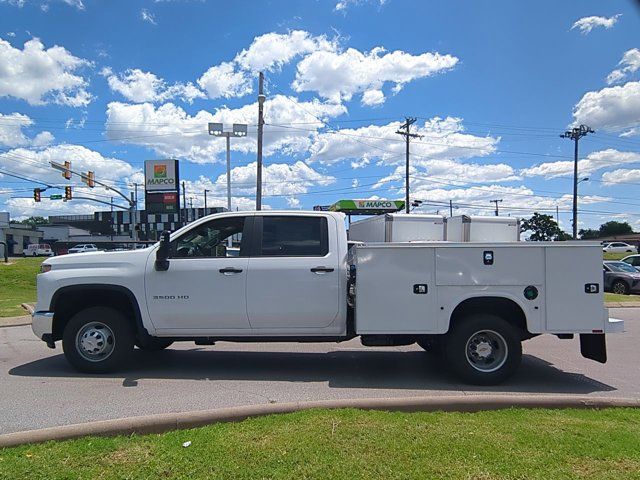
(89, 179)
(66, 173)
(67, 193)
(36, 194)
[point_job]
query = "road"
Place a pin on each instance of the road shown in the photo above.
(39, 389)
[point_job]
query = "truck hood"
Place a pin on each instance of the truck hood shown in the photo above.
(96, 259)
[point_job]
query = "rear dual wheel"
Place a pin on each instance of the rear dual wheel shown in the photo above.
(483, 349)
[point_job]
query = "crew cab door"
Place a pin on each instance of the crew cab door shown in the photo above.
(293, 281)
(204, 289)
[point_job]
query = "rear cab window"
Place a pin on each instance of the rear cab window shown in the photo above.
(293, 236)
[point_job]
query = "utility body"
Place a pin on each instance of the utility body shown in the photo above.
(288, 276)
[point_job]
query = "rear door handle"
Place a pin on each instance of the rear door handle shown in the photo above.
(321, 269)
(230, 270)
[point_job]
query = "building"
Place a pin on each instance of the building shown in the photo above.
(16, 237)
(118, 225)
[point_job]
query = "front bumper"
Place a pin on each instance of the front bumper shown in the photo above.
(42, 325)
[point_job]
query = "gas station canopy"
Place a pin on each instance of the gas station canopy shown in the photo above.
(364, 207)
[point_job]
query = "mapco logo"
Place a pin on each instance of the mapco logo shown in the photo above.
(375, 204)
(159, 171)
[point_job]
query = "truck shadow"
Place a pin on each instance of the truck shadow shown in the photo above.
(370, 369)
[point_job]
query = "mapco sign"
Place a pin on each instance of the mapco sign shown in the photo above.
(367, 207)
(161, 175)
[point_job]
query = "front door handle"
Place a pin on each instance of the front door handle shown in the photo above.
(230, 270)
(321, 270)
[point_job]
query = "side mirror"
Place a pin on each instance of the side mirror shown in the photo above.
(162, 254)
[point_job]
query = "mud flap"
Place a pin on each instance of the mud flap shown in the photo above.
(593, 346)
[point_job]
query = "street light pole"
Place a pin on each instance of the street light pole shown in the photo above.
(239, 130)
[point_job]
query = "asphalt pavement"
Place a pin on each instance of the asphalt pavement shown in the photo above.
(39, 389)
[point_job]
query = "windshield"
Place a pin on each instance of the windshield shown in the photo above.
(621, 267)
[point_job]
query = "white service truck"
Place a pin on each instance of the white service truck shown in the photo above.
(284, 276)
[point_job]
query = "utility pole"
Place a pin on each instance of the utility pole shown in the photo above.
(184, 205)
(557, 215)
(408, 136)
(451, 208)
(261, 99)
(575, 134)
(496, 202)
(205, 200)
(111, 227)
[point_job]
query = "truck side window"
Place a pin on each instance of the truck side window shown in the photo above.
(290, 236)
(217, 238)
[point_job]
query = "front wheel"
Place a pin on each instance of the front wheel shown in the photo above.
(97, 340)
(620, 287)
(483, 349)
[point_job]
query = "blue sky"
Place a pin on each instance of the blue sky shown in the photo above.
(108, 85)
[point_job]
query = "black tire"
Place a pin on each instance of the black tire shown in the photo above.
(500, 341)
(620, 287)
(153, 344)
(104, 328)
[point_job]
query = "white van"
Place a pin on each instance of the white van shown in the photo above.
(39, 250)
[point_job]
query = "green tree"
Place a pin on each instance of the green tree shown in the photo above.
(615, 228)
(34, 221)
(588, 234)
(543, 228)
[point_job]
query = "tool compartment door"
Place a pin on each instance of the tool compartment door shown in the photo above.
(395, 290)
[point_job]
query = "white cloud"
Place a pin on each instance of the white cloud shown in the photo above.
(612, 108)
(443, 139)
(621, 176)
(586, 24)
(11, 134)
(148, 17)
(593, 162)
(343, 5)
(518, 201)
(632, 132)
(225, 81)
(273, 50)
(339, 75)
(36, 163)
(278, 179)
(139, 87)
(372, 98)
(174, 133)
(629, 64)
(42, 76)
(44, 5)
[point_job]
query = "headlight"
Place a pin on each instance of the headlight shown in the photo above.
(44, 268)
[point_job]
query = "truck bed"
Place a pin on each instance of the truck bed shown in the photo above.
(415, 288)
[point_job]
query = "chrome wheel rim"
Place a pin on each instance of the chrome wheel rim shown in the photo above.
(486, 351)
(618, 288)
(95, 342)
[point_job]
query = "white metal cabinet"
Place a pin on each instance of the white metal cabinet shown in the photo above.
(388, 296)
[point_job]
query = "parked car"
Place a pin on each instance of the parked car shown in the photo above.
(621, 278)
(619, 247)
(632, 260)
(38, 250)
(85, 247)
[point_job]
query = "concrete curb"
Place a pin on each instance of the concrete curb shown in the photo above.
(633, 304)
(171, 421)
(28, 307)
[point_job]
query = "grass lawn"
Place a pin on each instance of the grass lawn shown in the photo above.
(615, 256)
(17, 285)
(348, 444)
(612, 297)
